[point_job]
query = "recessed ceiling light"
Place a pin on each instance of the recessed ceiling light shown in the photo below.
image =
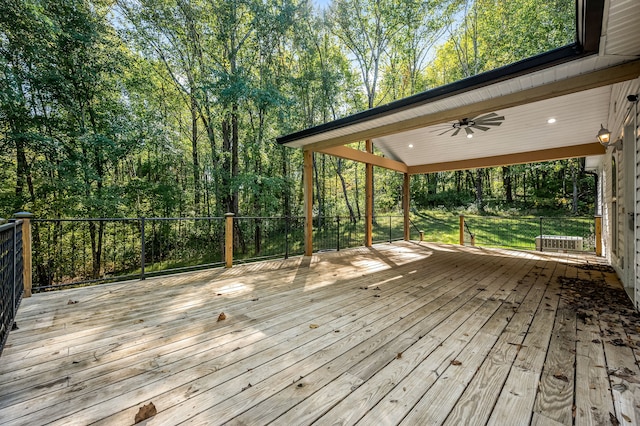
(410, 145)
(469, 136)
(551, 120)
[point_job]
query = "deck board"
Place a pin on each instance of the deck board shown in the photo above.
(399, 333)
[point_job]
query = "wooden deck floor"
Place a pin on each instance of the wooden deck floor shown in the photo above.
(397, 334)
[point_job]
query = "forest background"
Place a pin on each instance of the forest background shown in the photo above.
(170, 108)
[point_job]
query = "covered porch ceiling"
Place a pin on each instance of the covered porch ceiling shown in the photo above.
(572, 85)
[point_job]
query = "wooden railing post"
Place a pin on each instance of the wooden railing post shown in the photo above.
(307, 179)
(461, 229)
(228, 240)
(421, 236)
(26, 251)
(598, 225)
(368, 199)
(406, 197)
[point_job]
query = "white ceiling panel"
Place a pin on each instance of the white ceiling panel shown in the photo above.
(525, 128)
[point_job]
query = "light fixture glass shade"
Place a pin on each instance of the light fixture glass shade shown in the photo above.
(604, 135)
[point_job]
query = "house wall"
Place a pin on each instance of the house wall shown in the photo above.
(621, 235)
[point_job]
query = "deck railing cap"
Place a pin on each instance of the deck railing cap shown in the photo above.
(23, 215)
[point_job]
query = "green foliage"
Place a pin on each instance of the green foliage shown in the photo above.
(171, 108)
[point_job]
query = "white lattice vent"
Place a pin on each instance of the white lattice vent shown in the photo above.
(558, 242)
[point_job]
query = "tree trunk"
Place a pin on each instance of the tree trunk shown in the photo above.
(478, 183)
(352, 216)
(234, 157)
(318, 192)
(194, 155)
(226, 165)
(574, 179)
(506, 183)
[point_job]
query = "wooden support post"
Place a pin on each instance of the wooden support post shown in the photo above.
(406, 197)
(598, 225)
(26, 251)
(228, 240)
(421, 236)
(368, 223)
(307, 178)
(461, 230)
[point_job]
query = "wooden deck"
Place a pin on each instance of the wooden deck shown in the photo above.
(397, 334)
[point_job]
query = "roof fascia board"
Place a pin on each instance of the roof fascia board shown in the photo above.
(525, 66)
(551, 154)
(599, 78)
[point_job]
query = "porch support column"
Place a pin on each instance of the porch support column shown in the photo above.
(307, 179)
(368, 215)
(405, 205)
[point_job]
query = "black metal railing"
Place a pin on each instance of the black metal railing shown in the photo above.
(388, 229)
(80, 251)
(336, 233)
(534, 233)
(11, 285)
(71, 252)
(258, 238)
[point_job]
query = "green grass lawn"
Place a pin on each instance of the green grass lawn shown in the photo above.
(510, 232)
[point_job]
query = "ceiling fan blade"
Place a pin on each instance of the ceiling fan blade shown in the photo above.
(484, 117)
(446, 131)
(456, 132)
(490, 120)
(493, 123)
(468, 130)
(483, 128)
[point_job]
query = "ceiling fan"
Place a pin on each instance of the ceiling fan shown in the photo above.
(482, 122)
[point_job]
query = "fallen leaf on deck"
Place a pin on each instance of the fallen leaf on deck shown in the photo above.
(596, 341)
(626, 418)
(377, 288)
(376, 295)
(456, 362)
(399, 355)
(613, 419)
(72, 302)
(146, 412)
(624, 373)
(562, 377)
(246, 387)
(222, 316)
(618, 342)
(313, 326)
(255, 300)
